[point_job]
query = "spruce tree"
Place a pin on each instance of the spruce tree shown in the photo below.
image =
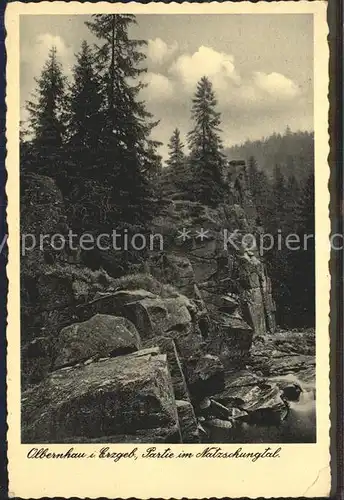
(178, 170)
(205, 145)
(47, 110)
(41, 149)
(85, 99)
(87, 197)
(127, 152)
(176, 151)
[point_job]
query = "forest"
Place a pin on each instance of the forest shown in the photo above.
(92, 135)
(177, 344)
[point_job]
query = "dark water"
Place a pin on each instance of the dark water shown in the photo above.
(298, 427)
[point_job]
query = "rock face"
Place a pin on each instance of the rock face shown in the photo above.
(101, 336)
(224, 263)
(127, 395)
(50, 296)
(176, 269)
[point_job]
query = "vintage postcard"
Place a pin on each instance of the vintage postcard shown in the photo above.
(169, 244)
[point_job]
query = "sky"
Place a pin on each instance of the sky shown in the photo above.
(261, 67)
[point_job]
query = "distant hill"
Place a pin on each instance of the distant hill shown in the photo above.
(293, 151)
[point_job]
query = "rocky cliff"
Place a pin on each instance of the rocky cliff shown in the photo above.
(161, 355)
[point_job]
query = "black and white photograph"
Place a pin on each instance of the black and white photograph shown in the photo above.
(167, 227)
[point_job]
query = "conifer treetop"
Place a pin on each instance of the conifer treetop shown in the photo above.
(176, 150)
(47, 109)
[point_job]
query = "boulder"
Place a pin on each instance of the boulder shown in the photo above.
(205, 375)
(189, 345)
(123, 396)
(291, 392)
(231, 340)
(153, 317)
(102, 336)
(265, 404)
(293, 342)
(261, 399)
(187, 422)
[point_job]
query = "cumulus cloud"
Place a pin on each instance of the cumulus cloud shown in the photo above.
(206, 61)
(261, 91)
(251, 103)
(159, 87)
(245, 99)
(159, 51)
(276, 84)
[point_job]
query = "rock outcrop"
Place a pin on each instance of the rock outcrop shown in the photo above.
(216, 267)
(167, 354)
(123, 396)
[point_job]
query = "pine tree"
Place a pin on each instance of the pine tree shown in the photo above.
(128, 153)
(205, 145)
(47, 110)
